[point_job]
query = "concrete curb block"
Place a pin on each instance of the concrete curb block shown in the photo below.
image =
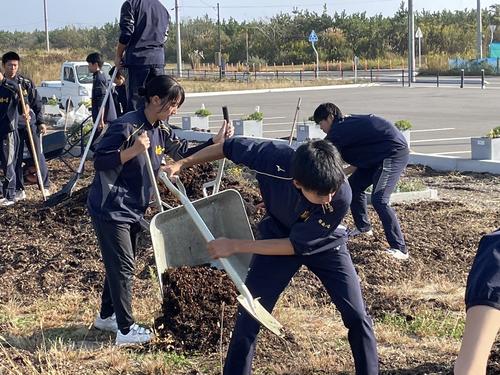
(450, 163)
(410, 196)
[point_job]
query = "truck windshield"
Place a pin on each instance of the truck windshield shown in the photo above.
(84, 76)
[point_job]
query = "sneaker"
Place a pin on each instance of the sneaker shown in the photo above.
(398, 254)
(47, 192)
(6, 202)
(107, 324)
(356, 232)
(136, 335)
(20, 195)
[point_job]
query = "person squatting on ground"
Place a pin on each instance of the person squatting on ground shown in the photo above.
(143, 32)
(377, 153)
(100, 81)
(306, 196)
(121, 192)
(482, 301)
(8, 138)
(10, 63)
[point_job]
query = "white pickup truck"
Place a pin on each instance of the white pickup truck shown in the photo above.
(74, 87)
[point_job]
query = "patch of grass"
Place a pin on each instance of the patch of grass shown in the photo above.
(405, 186)
(428, 323)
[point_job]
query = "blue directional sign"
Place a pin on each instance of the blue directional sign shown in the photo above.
(313, 37)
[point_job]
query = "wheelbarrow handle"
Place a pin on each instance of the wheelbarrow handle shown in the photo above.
(207, 235)
(152, 178)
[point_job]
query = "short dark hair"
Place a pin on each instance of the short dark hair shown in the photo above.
(166, 88)
(94, 58)
(9, 56)
(326, 109)
(317, 166)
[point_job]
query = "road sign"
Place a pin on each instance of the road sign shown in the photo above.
(313, 37)
(419, 33)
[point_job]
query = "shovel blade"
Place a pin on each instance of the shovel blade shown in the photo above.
(63, 194)
(260, 314)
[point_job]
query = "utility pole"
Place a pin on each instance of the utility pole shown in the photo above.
(411, 43)
(220, 43)
(178, 37)
(46, 25)
(247, 45)
(479, 38)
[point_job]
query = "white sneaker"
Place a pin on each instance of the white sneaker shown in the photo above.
(20, 195)
(136, 335)
(47, 192)
(356, 232)
(107, 324)
(4, 202)
(398, 254)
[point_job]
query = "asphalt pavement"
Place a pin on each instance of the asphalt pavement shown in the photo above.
(444, 119)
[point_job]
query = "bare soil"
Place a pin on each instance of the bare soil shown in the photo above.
(45, 251)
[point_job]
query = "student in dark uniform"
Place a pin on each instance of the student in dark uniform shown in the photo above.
(23, 140)
(482, 301)
(8, 138)
(119, 92)
(377, 153)
(121, 192)
(99, 86)
(306, 197)
(143, 32)
(10, 62)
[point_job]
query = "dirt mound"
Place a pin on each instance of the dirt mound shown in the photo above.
(199, 305)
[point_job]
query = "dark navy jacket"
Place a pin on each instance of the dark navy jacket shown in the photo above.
(144, 28)
(8, 106)
(366, 140)
(483, 283)
(121, 192)
(99, 85)
(32, 98)
(311, 228)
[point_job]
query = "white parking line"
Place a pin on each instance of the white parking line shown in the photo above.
(451, 152)
(431, 130)
(441, 139)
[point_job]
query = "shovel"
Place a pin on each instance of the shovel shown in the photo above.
(67, 190)
(251, 305)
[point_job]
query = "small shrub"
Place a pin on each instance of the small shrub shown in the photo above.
(403, 125)
(256, 116)
(203, 112)
(52, 101)
(311, 118)
(494, 133)
(87, 103)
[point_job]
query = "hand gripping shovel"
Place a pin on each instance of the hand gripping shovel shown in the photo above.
(251, 305)
(67, 190)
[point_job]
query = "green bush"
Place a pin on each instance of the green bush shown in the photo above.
(203, 112)
(52, 101)
(494, 133)
(256, 116)
(403, 125)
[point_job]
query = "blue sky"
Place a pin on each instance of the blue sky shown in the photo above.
(27, 15)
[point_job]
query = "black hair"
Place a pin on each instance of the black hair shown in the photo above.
(317, 167)
(326, 109)
(166, 88)
(94, 58)
(119, 73)
(8, 56)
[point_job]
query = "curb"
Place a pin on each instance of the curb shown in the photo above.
(450, 163)
(409, 196)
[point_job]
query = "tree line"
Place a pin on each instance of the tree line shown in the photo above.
(284, 37)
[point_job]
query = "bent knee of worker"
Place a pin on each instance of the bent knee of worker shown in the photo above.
(357, 319)
(380, 201)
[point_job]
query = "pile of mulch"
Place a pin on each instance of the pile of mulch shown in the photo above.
(198, 309)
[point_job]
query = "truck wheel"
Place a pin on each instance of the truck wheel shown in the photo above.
(44, 101)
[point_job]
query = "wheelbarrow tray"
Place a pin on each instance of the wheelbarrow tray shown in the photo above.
(177, 242)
